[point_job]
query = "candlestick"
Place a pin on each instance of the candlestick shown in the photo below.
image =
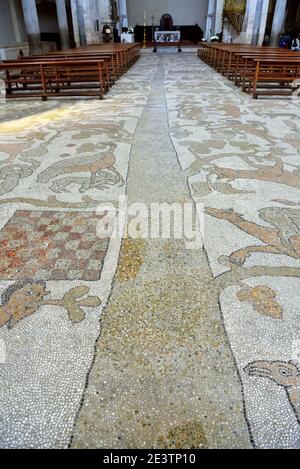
(145, 36)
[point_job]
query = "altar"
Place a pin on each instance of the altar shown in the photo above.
(127, 38)
(167, 39)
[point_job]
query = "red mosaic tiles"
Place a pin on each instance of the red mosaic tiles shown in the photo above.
(52, 245)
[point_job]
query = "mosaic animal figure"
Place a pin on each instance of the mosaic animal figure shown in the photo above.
(20, 300)
(101, 183)
(285, 374)
(94, 164)
(26, 297)
(110, 129)
(276, 173)
(282, 238)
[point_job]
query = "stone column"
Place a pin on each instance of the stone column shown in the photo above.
(105, 11)
(219, 16)
(257, 20)
(75, 22)
(251, 11)
(278, 22)
(81, 23)
(32, 26)
(105, 14)
(91, 8)
(253, 21)
(63, 24)
(246, 16)
(123, 14)
(210, 19)
(263, 21)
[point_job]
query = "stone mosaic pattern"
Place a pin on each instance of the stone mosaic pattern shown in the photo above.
(52, 245)
(60, 161)
(241, 160)
(195, 350)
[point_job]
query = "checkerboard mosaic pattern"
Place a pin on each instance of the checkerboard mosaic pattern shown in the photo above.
(52, 245)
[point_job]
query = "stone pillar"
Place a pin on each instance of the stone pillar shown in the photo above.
(63, 24)
(257, 20)
(246, 16)
(32, 26)
(250, 21)
(219, 16)
(81, 23)
(263, 21)
(105, 11)
(242, 37)
(75, 22)
(278, 22)
(105, 14)
(123, 14)
(210, 19)
(91, 8)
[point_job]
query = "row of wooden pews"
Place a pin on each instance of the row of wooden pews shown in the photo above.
(86, 71)
(259, 71)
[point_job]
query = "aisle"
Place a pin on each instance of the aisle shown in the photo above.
(163, 375)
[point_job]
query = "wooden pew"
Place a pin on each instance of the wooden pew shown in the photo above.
(86, 71)
(282, 71)
(54, 78)
(109, 72)
(258, 70)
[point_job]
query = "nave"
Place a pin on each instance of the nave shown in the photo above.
(166, 346)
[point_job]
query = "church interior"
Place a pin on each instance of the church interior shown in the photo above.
(149, 224)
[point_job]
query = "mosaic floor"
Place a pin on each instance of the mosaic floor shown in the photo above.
(144, 343)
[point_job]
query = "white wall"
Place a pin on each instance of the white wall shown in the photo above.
(184, 12)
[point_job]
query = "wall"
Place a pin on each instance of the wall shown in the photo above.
(184, 12)
(7, 35)
(20, 20)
